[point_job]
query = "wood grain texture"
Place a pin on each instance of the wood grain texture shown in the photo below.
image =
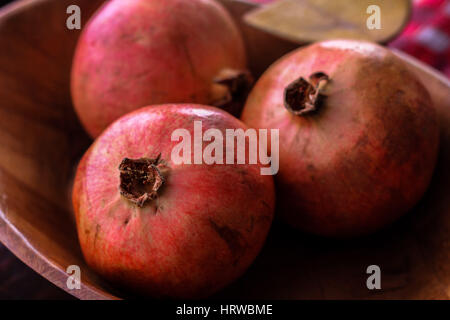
(41, 142)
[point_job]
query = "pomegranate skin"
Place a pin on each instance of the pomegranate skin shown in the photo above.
(365, 156)
(203, 230)
(136, 53)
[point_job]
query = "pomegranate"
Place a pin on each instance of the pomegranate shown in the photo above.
(165, 229)
(358, 136)
(135, 53)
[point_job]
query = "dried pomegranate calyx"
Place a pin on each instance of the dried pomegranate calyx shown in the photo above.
(230, 89)
(140, 179)
(302, 97)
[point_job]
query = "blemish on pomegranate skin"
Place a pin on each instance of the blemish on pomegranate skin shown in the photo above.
(252, 224)
(97, 229)
(232, 238)
(159, 208)
(396, 121)
(363, 141)
(265, 204)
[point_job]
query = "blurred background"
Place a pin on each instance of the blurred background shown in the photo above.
(426, 36)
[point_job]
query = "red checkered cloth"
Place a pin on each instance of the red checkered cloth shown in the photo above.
(427, 35)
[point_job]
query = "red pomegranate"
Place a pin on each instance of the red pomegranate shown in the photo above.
(168, 229)
(135, 53)
(358, 136)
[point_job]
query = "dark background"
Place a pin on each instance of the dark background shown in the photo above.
(4, 2)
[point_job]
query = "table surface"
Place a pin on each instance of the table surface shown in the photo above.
(18, 281)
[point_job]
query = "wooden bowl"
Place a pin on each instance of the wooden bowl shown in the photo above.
(41, 142)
